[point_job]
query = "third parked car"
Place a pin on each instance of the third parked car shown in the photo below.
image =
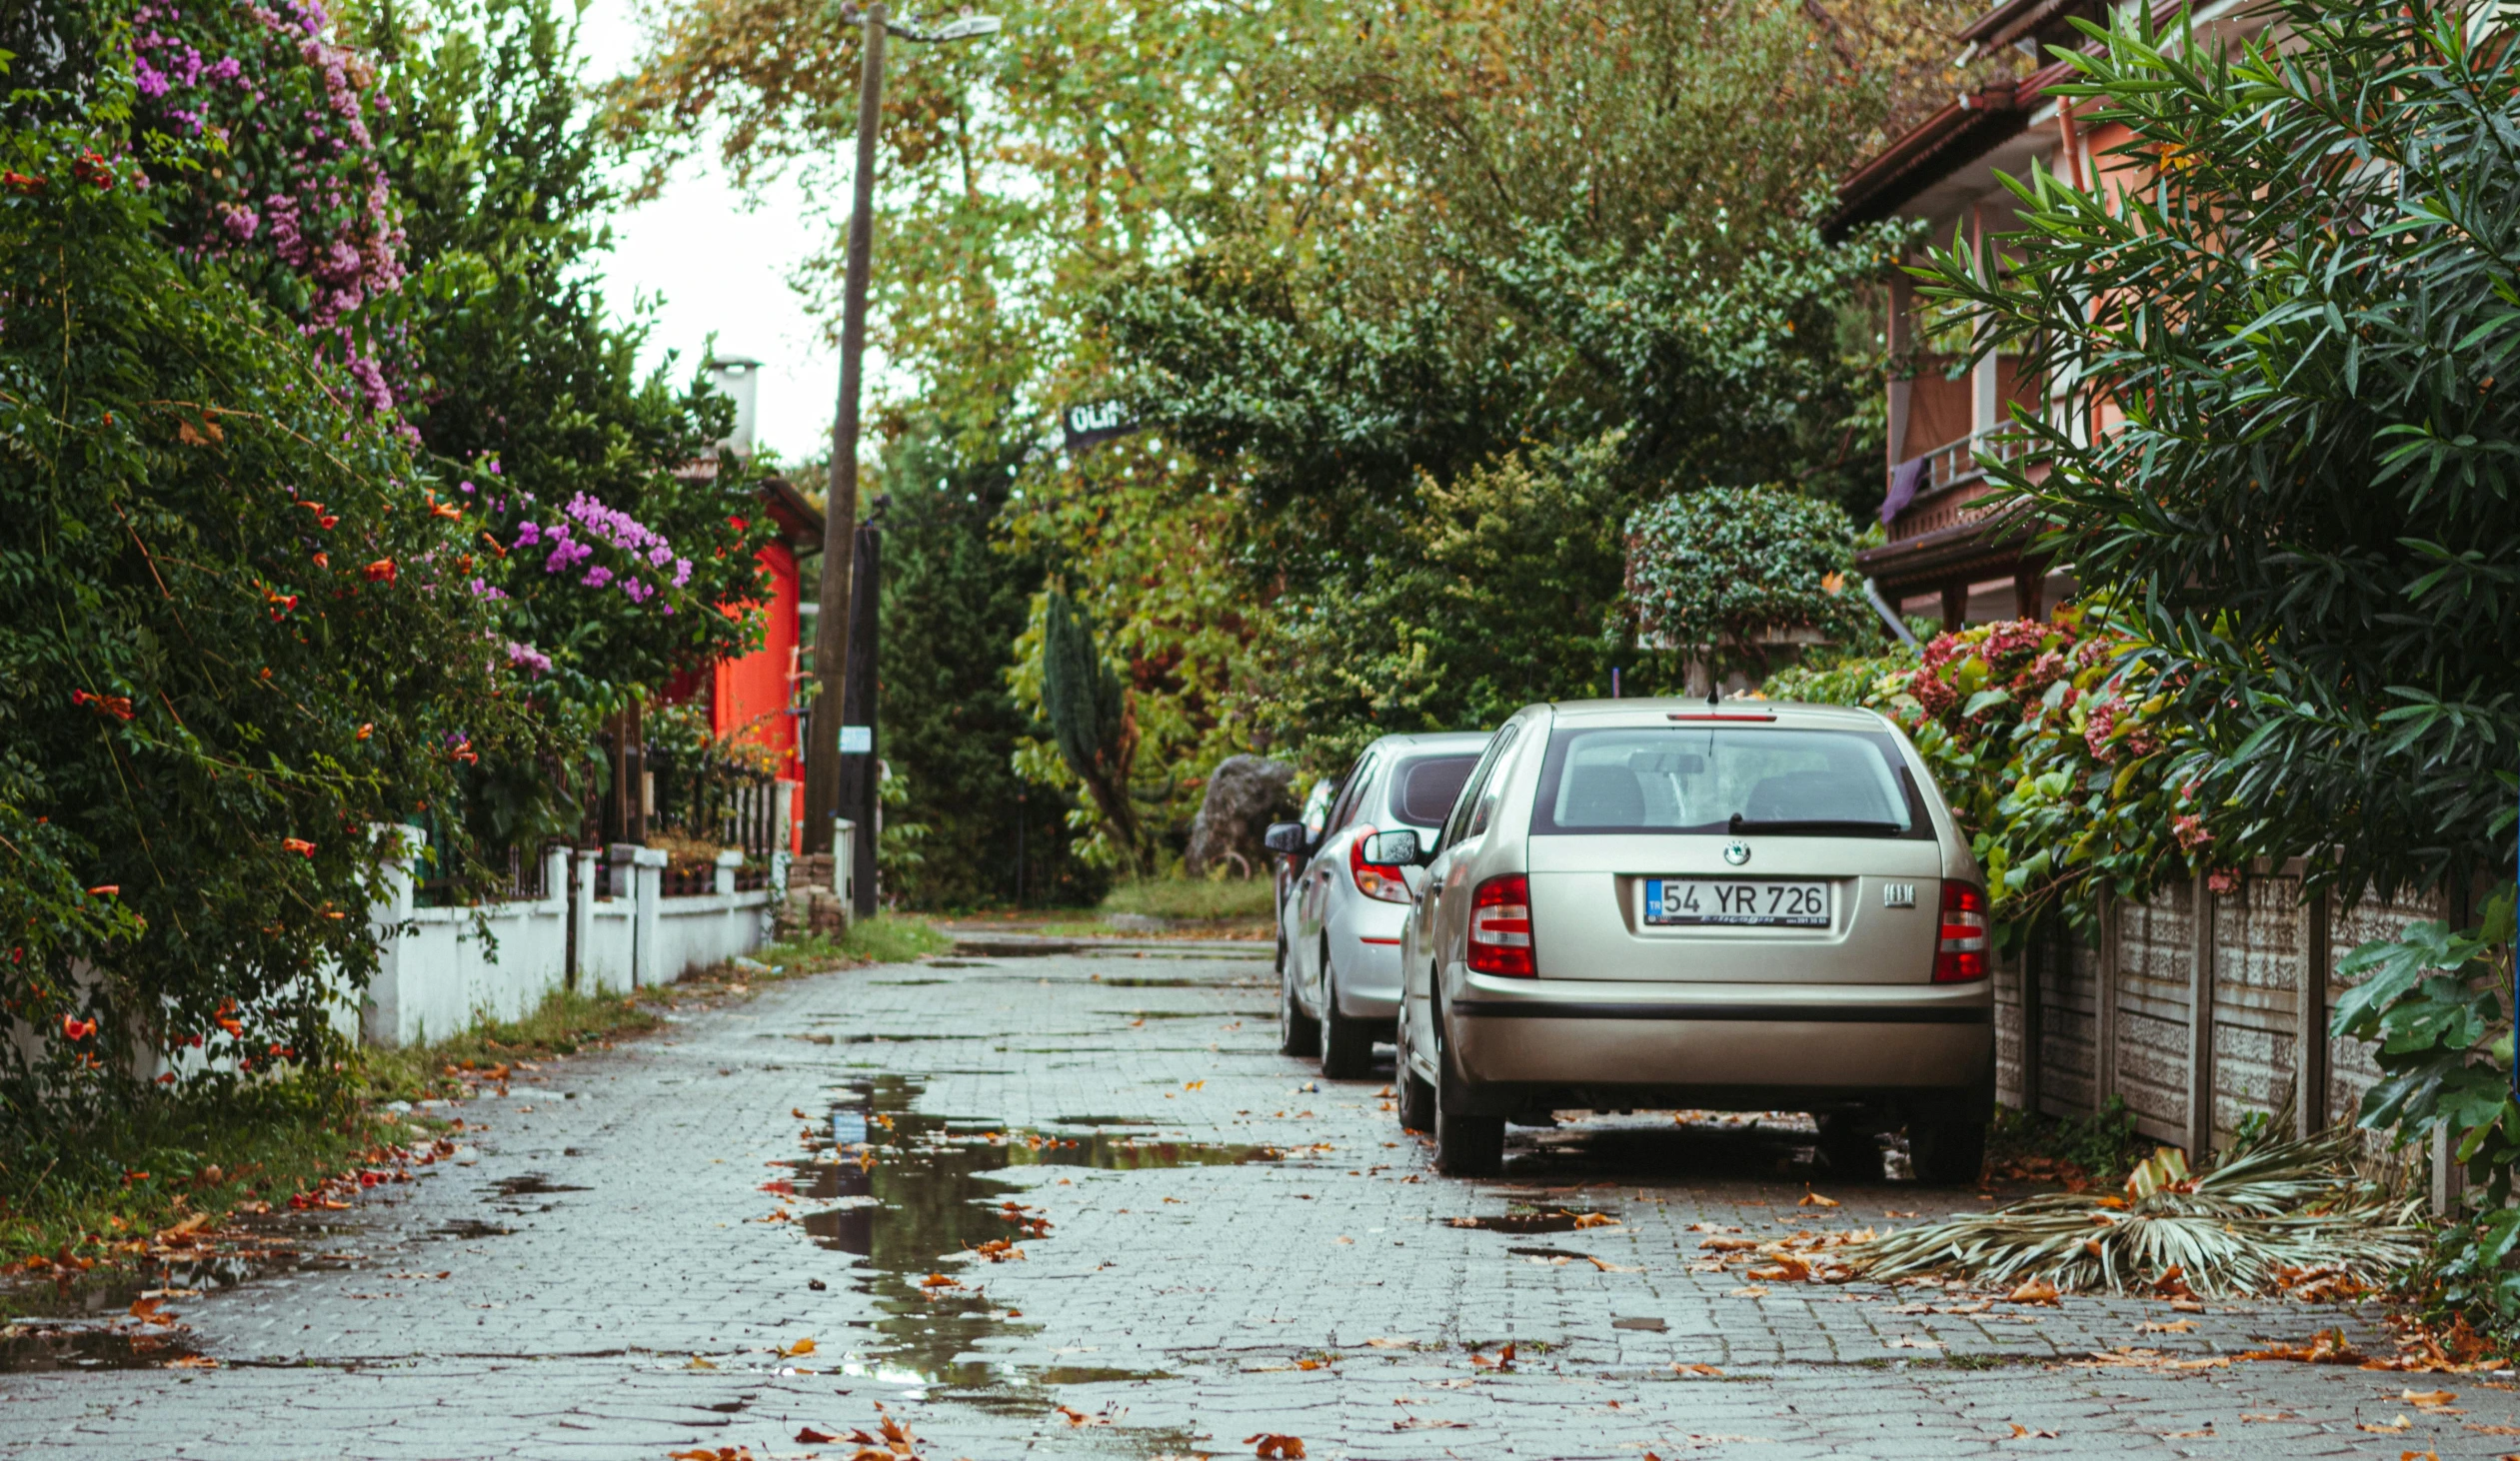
(1339, 917)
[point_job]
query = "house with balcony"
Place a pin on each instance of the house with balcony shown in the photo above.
(1959, 552)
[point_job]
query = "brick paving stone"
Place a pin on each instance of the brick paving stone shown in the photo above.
(615, 1290)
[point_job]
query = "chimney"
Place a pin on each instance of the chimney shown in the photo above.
(736, 378)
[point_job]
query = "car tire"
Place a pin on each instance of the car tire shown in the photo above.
(1466, 1145)
(1299, 1035)
(1417, 1103)
(1347, 1044)
(1946, 1151)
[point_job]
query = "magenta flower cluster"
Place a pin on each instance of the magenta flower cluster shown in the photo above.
(568, 544)
(301, 183)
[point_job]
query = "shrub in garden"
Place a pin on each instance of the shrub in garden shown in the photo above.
(1713, 571)
(2292, 311)
(609, 555)
(234, 633)
(2055, 775)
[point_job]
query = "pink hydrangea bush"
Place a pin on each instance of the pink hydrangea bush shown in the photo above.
(2059, 777)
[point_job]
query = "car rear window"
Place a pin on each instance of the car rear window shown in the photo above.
(1699, 779)
(1424, 787)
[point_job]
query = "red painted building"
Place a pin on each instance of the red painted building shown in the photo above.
(756, 697)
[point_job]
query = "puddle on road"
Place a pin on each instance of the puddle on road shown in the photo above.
(928, 1198)
(529, 1185)
(27, 1348)
(1556, 1220)
(87, 1324)
(468, 1230)
(1135, 981)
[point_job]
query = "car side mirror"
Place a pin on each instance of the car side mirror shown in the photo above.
(1284, 837)
(1395, 849)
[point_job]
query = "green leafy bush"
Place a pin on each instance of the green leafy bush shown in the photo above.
(1715, 573)
(2282, 319)
(2057, 779)
(233, 637)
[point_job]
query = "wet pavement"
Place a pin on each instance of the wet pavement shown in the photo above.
(1066, 1200)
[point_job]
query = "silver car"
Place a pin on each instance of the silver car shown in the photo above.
(1689, 904)
(1340, 916)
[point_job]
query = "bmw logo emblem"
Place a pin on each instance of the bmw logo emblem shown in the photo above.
(1736, 853)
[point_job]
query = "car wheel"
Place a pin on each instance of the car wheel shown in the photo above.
(1299, 1033)
(1417, 1098)
(1946, 1152)
(1347, 1044)
(1466, 1145)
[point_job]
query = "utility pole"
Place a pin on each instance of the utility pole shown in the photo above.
(839, 508)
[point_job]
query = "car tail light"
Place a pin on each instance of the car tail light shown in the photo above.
(1379, 880)
(1500, 927)
(1961, 954)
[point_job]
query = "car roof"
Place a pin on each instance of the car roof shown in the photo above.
(1433, 740)
(1686, 709)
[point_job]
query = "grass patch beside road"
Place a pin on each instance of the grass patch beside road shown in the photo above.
(567, 1023)
(83, 1190)
(887, 938)
(93, 1191)
(1194, 898)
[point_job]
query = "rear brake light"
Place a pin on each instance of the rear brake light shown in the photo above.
(1500, 927)
(1379, 880)
(1960, 955)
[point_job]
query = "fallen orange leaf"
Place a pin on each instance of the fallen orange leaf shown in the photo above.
(1810, 1198)
(2032, 1291)
(2024, 1432)
(808, 1436)
(802, 1346)
(1272, 1447)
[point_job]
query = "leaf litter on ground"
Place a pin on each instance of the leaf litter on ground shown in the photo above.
(2287, 1218)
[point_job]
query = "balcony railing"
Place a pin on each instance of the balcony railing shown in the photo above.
(1948, 464)
(1949, 483)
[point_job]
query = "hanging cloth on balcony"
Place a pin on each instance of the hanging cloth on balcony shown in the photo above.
(1904, 480)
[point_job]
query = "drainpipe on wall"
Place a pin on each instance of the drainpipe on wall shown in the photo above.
(1889, 616)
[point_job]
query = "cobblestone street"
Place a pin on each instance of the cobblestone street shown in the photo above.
(1215, 1244)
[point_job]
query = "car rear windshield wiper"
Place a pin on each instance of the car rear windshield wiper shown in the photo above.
(1816, 827)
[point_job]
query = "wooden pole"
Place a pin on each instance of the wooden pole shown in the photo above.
(2200, 1026)
(2033, 1021)
(2104, 997)
(2309, 1099)
(840, 513)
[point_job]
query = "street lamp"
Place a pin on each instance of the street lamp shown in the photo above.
(832, 625)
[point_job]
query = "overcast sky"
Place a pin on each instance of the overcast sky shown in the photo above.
(718, 267)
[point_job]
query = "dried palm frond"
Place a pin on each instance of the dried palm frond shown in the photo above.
(2242, 1227)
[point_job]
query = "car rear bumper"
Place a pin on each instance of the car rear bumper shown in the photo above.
(1725, 1046)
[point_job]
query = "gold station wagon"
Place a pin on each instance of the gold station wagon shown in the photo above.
(1735, 904)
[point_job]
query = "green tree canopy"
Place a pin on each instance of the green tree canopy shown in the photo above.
(2290, 338)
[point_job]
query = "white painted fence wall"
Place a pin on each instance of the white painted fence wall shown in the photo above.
(441, 971)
